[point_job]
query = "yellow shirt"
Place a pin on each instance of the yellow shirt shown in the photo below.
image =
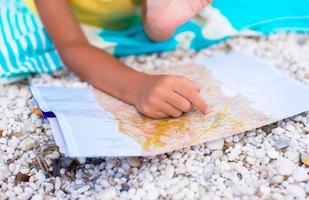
(115, 14)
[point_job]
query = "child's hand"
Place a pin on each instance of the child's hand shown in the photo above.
(165, 95)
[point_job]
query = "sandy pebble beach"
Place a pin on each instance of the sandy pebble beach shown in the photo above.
(271, 162)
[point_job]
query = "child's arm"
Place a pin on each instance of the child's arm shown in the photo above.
(156, 96)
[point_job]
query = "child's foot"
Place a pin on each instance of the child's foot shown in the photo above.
(162, 17)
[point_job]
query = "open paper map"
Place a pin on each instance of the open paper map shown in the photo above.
(242, 92)
(229, 115)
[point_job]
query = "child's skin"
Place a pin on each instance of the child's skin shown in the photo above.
(156, 96)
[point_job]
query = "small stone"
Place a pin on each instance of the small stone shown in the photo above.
(107, 194)
(290, 128)
(66, 162)
(18, 190)
(153, 168)
(250, 160)
(19, 178)
(245, 189)
(260, 153)
(13, 142)
(282, 144)
(229, 139)
(305, 159)
(292, 155)
(27, 144)
(48, 197)
(27, 194)
(152, 194)
(169, 171)
(216, 144)
(56, 167)
(216, 154)
(37, 197)
(278, 130)
(37, 111)
(83, 189)
(300, 174)
(265, 190)
(265, 160)
(208, 171)
(3, 141)
(49, 187)
(276, 179)
(39, 176)
(53, 155)
(296, 191)
(135, 162)
(236, 138)
(4, 170)
(285, 166)
(125, 187)
(232, 156)
(273, 154)
(57, 183)
(267, 128)
(307, 187)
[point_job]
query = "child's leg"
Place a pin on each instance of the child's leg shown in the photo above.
(162, 17)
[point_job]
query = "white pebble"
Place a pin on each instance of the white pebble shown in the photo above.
(208, 171)
(278, 130)
(169, 171)
(152, 194)
(27, 144)
(13, 142)
(215, 145)
(83, 189)
(260, 153)
(3, 141)
(37, 197)
(273, 154)
(216, 154)
(285, 166)
(265, 190)
(292, 155)
(290, 128)
(300, 174)
(57, 183)
(107, 194)
(296, 191)
(4, 170)
(307, 187)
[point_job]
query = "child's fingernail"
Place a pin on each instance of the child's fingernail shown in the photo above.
(207, 110)
(198, 88)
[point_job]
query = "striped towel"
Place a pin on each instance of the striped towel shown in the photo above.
(25, 47)
(24, 44)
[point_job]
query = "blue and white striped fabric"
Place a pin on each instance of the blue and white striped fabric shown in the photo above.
(25, 47)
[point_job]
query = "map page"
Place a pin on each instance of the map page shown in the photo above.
(242, 92)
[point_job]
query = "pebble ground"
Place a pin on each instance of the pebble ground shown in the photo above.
(267, 163)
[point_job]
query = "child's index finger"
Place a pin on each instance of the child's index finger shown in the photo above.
(194, 97)
(190, 90)
(198, 102)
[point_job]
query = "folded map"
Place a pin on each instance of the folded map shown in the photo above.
(242, 91)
